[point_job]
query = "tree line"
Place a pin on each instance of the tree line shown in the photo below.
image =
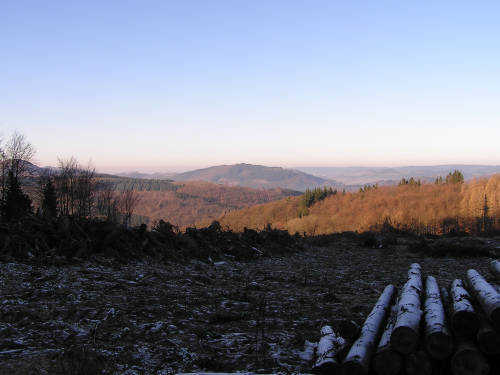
(310, 197)
(68, 190)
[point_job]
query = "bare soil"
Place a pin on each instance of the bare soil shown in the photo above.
(150, 317)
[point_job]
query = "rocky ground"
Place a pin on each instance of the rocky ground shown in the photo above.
(150, 317)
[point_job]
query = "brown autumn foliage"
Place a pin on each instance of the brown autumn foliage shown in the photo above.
(196, 201)
(430, 208)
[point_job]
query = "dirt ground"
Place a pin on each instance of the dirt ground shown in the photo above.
(147, 317)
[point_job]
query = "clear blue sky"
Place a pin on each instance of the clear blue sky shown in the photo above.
(174, 85)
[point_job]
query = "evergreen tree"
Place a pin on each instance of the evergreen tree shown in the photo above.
(49, 200)
(455, 178)
(16, 204)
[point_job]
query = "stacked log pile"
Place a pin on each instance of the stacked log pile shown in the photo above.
(424, 330)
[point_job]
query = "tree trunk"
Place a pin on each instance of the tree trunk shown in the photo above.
(358, 358)
(405, 334)
(495, 269)
(468, 360)
(328, 346)
(418, 363)
(487, 296)
(438, 339)
(387, 361)
(488, 338)
(464, 319)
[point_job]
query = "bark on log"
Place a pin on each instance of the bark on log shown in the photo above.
(358, 358)
(464, 318)
(468, 360)
(438, 339)
(488, 338)
(496, 286)
(328, 346)
(487, 296)
(387, 361)
(495, 269)
(405, 334)
(418, 363)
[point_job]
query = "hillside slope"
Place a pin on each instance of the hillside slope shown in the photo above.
(256, 176)
(188, 202)
(431, 208)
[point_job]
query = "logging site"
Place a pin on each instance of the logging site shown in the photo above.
(249, 187)
(340, 304)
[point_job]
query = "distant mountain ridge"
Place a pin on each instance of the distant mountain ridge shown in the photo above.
(257, 177)
(391, 175)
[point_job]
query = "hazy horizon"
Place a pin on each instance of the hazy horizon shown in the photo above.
(182, 170)
(182, 85)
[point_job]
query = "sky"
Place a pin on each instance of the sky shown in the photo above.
(177, 85)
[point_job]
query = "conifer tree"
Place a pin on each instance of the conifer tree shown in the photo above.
(16, 204)
(49, 200)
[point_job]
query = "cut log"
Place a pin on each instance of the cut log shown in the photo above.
(405, 334)
(496, 286)
(438, 339)
(358, 358)
(468, 360)
(326, 352)
(495, 269)
(486, 295)
(418, 363)
(488, 338)
(387, 361)
(464, 318)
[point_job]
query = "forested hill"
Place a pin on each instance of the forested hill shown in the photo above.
(256, 176)
(184, 203)
(447, 205)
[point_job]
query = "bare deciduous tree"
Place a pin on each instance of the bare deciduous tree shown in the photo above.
(19, 153)
(107, 202)
(128, 202)
(76, 187)
(15, 156)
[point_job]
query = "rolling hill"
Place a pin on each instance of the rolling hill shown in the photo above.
(430, 208)
(194, 200)
(256, 176)
(184, 203)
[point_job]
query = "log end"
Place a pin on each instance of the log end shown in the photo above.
(418, 363)
(387, 362)
(353, 368)
(469, 362)
(331, 367)
(404, 340)
(489, 342)
(495, 318)
(439, 345)
(465, 323)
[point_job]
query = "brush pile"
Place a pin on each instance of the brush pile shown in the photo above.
(72, 238)
(423, 330)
